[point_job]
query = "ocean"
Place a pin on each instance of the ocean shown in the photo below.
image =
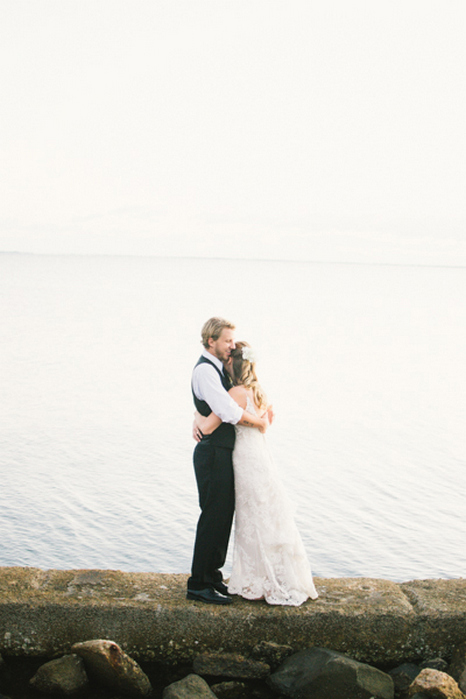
(365, 366)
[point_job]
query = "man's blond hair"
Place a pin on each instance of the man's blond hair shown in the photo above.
(212, 328)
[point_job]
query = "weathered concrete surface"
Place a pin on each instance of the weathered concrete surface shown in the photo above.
(43, 613)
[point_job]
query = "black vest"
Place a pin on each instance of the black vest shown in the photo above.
(224, 435)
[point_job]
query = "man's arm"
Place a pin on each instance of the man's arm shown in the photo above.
(208, 424)
(208, 387)
(251, 420)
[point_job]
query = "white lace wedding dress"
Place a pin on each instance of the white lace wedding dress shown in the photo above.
(269, 560)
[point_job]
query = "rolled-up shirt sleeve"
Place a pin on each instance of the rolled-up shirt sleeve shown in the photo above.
(208, 387)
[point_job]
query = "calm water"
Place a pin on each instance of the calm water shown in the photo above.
(365, 366)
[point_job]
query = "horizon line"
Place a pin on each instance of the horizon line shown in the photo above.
(234, 259)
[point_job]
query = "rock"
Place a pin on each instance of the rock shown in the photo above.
(457, 667)
(403, 676)
(319, 673)
(434, 664)
(191, 687)
(229, 665)
(64, 675)
(436, 684)
(230, 690)
(113, 667)
(271, 653)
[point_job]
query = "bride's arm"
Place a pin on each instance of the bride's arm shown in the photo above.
(207, 424)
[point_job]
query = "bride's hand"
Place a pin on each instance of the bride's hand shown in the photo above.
(197, 434)
(197, 424)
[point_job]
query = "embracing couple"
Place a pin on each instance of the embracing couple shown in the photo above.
(234, 468)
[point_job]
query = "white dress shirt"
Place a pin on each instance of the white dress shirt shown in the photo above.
(207, 386)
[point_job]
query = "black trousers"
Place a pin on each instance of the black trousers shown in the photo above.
(215, 482)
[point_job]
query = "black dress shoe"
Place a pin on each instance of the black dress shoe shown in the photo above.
(209, 596)
(221, 587)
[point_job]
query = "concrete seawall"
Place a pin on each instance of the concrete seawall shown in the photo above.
(42, 613)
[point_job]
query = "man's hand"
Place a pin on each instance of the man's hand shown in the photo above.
(270, 414)
(197, 434)
(264, 424)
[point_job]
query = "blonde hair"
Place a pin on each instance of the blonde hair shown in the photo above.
(212, 328)
(244, 374)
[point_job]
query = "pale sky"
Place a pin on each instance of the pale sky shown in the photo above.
(329, 130)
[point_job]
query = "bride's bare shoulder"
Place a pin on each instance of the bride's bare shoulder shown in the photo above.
(239, 394)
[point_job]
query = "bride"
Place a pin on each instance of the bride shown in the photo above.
(269, 560)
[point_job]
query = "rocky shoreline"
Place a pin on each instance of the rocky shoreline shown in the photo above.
(359, 631)
(101, 669)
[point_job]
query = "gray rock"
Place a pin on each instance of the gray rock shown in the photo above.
(319, 673)
(457, 667)
(434, 664)
(111, 666)
(230, 690)
(64, 675)
(229, 665)
(436, 684)
(403, 676)
(271, 653)
(191, 687)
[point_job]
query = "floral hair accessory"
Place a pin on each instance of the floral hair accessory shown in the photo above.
(248, 354)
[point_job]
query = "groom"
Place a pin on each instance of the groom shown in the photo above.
(213, 462)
